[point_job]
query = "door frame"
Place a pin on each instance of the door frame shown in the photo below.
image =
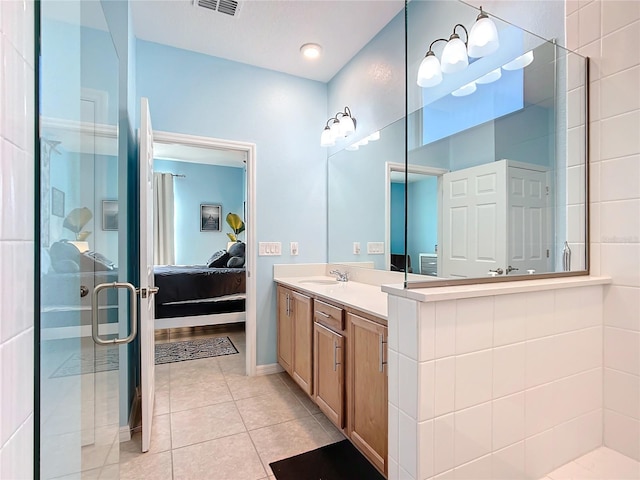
(401, 167)
(250, 151)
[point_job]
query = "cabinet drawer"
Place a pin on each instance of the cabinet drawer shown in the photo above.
(328, 315)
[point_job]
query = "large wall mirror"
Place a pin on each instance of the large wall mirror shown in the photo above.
(485, 177)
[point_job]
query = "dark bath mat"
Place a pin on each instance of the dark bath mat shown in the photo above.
(338, 461)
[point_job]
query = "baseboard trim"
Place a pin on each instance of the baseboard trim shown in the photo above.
(125, 431)
(269, 369)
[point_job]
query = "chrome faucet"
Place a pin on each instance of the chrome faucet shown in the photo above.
(341, 276)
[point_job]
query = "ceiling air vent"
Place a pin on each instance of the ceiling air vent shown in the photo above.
(228, 7)
(210, 4)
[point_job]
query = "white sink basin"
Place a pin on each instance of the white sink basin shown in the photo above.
(319, 282)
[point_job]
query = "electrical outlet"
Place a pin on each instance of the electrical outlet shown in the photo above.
(294, 248)
(375, 248)
(356, 248)
(269, 249)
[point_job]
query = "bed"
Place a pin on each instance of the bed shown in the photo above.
(196, 295)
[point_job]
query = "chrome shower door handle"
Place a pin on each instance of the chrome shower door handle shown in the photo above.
(133, 310)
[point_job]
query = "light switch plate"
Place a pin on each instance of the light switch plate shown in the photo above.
(269, 249)
(375, 248)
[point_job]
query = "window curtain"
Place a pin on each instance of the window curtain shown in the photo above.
(163, 225)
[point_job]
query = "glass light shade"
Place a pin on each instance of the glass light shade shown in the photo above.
(335, 130)
(490, 77)
(347, 127)
(374, 136)
(483, 38)
(520, 62)
(454, 56)
(429, 72)
(465, 90)
(363, 142)
(326, 139)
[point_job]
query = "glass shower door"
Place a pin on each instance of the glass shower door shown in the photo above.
(80, 232)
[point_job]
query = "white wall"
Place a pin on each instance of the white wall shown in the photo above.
(609, 33)
(16, 239)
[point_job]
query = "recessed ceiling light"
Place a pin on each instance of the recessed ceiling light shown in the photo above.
(311, 50)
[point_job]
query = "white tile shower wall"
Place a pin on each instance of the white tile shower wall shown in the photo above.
(16, 238)
(608, 31)
(507, 401)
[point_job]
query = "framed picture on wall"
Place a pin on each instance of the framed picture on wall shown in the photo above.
(210, 218)
(57, 202)
(109, 215)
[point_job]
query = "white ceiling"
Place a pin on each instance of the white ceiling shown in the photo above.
(268, 33)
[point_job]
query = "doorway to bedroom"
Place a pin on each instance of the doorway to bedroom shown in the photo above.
(203, 256)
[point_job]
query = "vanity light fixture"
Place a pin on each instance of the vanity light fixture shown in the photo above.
(519, 62)
(465, 90)
(365, 141)
(311, 50)
(339, 126)
(482, 41)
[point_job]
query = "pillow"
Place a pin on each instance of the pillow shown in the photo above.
(95, 262)
(218, 259)
(65, 266)
(61, 252)
(237, 250)
(235, 262)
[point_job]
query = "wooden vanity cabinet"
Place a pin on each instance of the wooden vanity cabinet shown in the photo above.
(295, 336)
(328, 352)
(344, 352)
(368, 387)
(285, 330)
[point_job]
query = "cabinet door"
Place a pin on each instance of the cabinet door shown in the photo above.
(285, 330)
(303, 341)
(368, 388)
(328, 352)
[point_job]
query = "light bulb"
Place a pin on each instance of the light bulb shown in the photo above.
(429, 72)
(483, 38)
(520, 62)
(454, 55)
(490, 77)
(326, 139)
(465, 90)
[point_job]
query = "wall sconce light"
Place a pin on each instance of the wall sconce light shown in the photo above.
(365, 141)
(482, 41)
(341, 125)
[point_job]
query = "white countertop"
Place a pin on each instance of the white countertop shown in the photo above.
(360, 296)
(435, 294)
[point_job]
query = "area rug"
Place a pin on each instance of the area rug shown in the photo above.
(194, 349)
(338, 461)
(103, 360)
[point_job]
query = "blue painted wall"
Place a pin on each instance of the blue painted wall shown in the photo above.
(208, 184)
(202, 95)
(396, 224)
(423, 218)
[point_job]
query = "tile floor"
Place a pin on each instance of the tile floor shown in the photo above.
(600, 464)
(212, 422)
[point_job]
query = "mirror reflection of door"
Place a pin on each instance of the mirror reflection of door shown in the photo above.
(421, 188)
